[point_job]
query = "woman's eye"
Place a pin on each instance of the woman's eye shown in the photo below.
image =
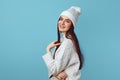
(68, 21)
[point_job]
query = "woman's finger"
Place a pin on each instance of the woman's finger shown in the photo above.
(59, 78)
(57, 44)
(62, 75)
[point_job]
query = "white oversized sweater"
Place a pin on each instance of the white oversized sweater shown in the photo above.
(66, 59)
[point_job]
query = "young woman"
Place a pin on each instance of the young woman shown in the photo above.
(65, 63)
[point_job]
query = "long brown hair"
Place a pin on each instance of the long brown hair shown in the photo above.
(70, 34)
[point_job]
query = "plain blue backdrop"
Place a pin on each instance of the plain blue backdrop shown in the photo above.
(28, 26)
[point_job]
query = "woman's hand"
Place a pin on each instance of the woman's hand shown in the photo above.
(51, 45)
(62, 76)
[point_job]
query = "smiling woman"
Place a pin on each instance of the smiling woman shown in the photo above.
(67, 60)
(64, 24)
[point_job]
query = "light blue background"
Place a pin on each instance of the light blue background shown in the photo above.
(28, 26)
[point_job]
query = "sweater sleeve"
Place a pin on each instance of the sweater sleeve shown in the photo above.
(57, 65)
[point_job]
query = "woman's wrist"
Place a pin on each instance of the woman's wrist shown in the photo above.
(48, 50)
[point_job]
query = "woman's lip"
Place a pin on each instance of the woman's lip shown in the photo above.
(62, 26)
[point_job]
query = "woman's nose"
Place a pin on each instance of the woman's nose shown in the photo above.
(63, 22)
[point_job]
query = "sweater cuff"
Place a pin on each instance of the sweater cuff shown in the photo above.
(47, 58)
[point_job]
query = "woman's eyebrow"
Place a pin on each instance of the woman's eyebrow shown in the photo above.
(67, 19)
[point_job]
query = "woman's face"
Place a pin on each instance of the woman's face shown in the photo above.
(64, 24)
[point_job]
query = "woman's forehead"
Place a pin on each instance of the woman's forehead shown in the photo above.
(65, 17)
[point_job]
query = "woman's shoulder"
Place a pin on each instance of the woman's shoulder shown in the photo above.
(68, 43)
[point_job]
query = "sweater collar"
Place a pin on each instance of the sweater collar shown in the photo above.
(63, 37)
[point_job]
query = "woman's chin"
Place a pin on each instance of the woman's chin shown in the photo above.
(62, 30)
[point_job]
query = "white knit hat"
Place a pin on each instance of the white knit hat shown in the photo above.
(72, 13)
